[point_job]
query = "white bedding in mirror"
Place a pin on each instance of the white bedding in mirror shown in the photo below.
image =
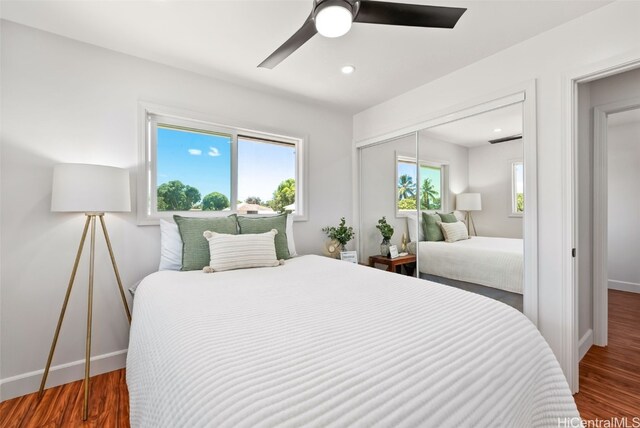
(324, 343)
(488, 261)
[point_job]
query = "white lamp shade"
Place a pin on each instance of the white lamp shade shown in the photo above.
(469, 202)
(90, 188)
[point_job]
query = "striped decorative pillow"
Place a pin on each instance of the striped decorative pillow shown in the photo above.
(454, 231)
(229, 252)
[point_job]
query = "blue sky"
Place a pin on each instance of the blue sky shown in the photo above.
(204, 162)
(425, 172)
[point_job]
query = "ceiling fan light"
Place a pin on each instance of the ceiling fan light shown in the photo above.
(333, 21)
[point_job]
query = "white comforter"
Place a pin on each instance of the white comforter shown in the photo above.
(320, 342)
(493, 262)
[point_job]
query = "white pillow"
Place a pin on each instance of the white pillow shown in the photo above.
(454, 231)
(170, 246)
(290, 241)
(415, 227)
(241, 251)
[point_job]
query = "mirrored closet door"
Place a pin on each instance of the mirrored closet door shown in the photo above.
(470, 199)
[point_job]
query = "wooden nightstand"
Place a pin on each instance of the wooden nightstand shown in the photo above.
(395, 265)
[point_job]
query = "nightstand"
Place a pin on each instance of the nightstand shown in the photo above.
(396, 264)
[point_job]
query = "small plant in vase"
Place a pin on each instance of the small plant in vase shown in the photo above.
(342, 234)
(386, 230)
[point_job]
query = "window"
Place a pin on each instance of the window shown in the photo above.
(432, 179)
(205, 169)
(517, 188)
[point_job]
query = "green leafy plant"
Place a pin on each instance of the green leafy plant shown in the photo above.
(385, 229)
(342, 233)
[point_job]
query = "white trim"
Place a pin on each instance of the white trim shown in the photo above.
(586, 342)
(568, 357)
(600, 215)
(443, 166)
(146, 153)
(526, 93)
(26, 383)
(630, 287)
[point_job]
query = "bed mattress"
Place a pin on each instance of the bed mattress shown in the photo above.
(324, 343)
(492, 262)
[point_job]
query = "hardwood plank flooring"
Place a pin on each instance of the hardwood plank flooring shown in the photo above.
(61, 406)
(609, 383)
(610, 376)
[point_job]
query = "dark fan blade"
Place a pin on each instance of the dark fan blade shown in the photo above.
(307, 31)
(412, 15)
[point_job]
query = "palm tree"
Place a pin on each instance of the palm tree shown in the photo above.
(406, 187)
(429, 192)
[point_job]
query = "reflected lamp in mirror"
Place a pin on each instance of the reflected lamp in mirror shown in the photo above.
(92, 190)
(468, 202)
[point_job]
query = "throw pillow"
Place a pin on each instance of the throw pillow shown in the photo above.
(195, 248)
(432, 231)
(241, 251)
(454, 231)
(253, 225)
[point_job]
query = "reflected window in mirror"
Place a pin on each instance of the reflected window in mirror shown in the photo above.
(517, 188)
(429, 184)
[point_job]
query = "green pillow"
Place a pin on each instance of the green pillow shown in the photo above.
(432, 231)
(448, 218)
(265, 224)
(195, 248)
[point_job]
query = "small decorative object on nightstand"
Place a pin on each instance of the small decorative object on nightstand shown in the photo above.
(386, 230)
(342, 234)
(395, 265)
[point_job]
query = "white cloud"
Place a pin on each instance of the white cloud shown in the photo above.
(195, 152)
(213, 152)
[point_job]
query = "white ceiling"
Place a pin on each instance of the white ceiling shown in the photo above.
(228, 39)
(477, 130)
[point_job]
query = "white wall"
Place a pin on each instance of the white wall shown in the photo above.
(597, 93)
(607, 32)
(624, 206)
(490, 175)
(65, 101)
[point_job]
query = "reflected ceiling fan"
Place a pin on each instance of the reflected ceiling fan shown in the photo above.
(333, 18)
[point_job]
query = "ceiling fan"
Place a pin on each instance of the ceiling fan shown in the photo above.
(333, 18)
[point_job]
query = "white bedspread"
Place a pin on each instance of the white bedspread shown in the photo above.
(321, 342)
(493, 262)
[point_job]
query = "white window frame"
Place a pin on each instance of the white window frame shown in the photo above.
(444, 182)
(150, 114)
(514, 187)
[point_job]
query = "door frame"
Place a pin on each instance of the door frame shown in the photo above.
(600, 215)
(569, 358)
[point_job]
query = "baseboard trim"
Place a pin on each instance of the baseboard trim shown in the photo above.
(631, 287)
(27, 383)
(586, 342)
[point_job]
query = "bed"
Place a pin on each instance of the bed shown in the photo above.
(320, 342)
(488, 261)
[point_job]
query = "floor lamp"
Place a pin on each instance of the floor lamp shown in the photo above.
(469, 202)
(92, 190)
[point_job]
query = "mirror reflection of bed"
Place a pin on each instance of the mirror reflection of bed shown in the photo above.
(471, 174)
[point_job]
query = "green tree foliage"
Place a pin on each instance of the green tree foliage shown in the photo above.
(406, 187)
(520, 202)
(176, 196)
(284, 195)
(215, 201)
(254, 200)
(430, 197)
(407, 204)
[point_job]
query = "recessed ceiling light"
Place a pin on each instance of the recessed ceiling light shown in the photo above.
(348, 69)
(497, 130)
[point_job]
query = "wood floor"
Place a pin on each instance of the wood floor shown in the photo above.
(609, 383)
(610, 377)
(62, 406)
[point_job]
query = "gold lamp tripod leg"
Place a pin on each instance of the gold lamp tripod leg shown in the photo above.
(91, 220)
